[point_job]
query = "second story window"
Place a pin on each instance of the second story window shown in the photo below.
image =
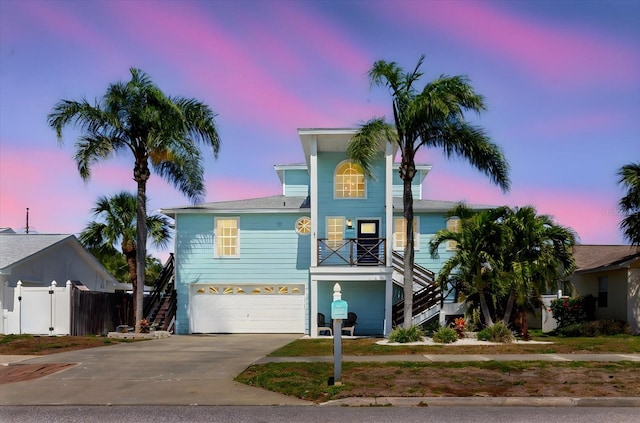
(335, 231)
(349, 180)
(227, 237)
(400, 233)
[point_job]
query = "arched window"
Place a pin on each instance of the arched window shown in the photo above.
(349, 180)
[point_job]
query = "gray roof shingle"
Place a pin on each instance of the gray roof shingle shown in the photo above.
(17, 247)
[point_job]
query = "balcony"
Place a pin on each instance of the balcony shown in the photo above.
(352, 252)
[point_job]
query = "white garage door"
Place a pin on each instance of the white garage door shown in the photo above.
(247, 309)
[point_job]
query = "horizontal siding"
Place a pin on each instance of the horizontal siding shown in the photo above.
(397, 189)
(428, 225)
(296, 182)
(270, 252)
(371, 206)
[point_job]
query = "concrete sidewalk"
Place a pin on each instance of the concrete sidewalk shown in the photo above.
(458, 358)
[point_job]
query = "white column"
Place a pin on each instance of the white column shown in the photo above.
(313, 321)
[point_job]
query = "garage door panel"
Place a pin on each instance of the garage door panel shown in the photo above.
(247, 313)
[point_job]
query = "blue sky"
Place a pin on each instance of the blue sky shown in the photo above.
(561, 80)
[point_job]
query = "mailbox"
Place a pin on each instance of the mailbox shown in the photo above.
(339, 309)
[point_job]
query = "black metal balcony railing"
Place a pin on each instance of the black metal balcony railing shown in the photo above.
(352, 252)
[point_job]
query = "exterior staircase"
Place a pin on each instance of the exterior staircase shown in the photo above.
(427, 296)
(160, 307)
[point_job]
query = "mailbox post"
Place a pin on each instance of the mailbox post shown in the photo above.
(339, 310)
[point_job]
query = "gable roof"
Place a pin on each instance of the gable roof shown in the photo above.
(290, 204)
(18, 248)
(436, 205)
(15, 248)
(274, 204)
(592, 258)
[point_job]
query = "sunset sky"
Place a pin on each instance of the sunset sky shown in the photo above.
(561, 80)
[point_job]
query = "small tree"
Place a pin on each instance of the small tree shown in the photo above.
(115, 227)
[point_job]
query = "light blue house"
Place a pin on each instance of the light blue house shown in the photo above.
(269, 264)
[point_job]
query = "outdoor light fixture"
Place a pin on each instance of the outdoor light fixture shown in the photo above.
(349, 224)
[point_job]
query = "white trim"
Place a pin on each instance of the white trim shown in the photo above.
(313, 193)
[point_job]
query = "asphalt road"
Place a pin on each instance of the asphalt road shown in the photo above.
(309, 414)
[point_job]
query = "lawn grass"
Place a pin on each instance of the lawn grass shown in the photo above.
(310, 347)
(309, 381)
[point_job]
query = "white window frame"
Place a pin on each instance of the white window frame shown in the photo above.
(218, 237)
(339, 178)
(399, 240)
(333, 223)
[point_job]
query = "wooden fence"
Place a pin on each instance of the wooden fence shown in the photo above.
(97, 313)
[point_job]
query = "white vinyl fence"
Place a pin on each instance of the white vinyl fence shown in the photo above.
(36, 310)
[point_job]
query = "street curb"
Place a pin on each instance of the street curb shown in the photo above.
(484, 402)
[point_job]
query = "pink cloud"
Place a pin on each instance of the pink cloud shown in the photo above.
(221, 58)
(47, 182)
(593, 216)
(571, 57)
(324, 39)
(575, 125)
(236, 188)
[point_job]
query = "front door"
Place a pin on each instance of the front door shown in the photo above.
(369, 243)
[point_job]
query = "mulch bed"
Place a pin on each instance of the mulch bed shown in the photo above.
(23, 372)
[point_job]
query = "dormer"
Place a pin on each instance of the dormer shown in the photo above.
(294, 179)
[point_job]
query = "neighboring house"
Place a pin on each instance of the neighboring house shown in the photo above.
(39, 259)
(270, 264)
(611, 273)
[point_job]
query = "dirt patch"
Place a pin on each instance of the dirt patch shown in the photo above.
(23, 372)
(592, 380)
(42, 345)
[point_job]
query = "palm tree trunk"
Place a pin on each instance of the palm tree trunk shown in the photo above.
(407, 177)
(484, 307)
(509, 309)
(130, 253)
(141, 175)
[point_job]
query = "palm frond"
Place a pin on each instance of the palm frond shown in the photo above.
(369, 142)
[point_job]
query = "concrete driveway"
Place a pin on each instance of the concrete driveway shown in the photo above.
(179, 370)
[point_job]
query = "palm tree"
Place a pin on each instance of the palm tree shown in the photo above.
(433, 117)
(629, 205)
(510, 256)
(162, 134)
(480, 245)
(539, 255)
(117, 228)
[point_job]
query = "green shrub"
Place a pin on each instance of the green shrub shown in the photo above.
(498, 332)
(574, 329)
(445, 335)
(569, 311)
(604, 327)
(402, 335)
(431, 327)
